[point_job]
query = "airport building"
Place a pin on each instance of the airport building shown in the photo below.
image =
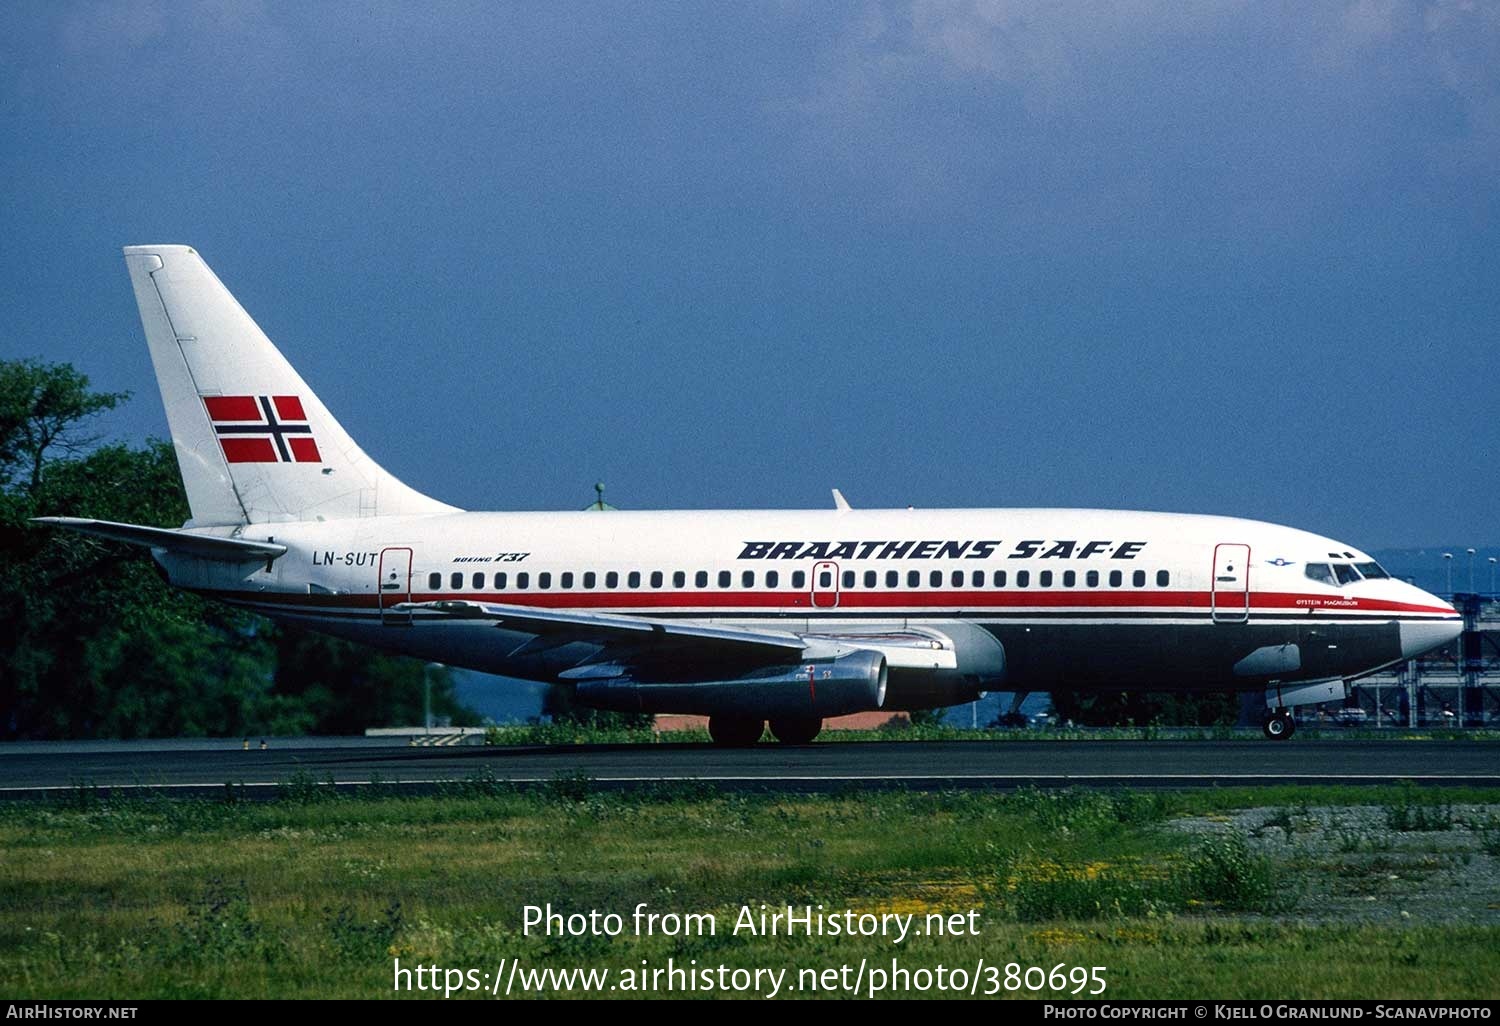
(1454, 686)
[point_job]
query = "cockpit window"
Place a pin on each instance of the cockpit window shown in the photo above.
(1320, 572)
(1346, 573)
(1373, 571)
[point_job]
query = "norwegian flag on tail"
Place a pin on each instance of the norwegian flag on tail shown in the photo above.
(262, 429)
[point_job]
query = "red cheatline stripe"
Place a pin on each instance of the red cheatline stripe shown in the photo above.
(1169, 603)
(288, 407)
(233, 407)
(249, 450)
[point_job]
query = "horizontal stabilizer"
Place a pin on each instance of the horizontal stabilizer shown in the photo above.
(204, 546)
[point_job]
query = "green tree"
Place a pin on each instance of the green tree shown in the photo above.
(93, 643)
(44, 410)
(344, 688)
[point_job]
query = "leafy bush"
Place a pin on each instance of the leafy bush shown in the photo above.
(1226, 872)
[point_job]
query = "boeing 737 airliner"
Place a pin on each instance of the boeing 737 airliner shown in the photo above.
(742, 616)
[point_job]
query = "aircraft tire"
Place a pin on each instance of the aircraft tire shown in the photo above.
(796, 730)
(1279, 725)
(735, 731)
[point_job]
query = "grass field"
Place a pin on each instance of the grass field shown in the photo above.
(1266, 893)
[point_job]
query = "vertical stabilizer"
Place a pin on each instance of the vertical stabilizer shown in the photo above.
(254, 443)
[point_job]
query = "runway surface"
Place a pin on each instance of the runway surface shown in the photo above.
(205, 767)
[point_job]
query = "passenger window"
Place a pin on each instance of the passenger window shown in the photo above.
(1138, 578)
(633, 580)
(799, 579)
(434, 581)
(1319, 572)
(976, 579)
(773, 578)
(1023, 578)
(700, 579)
(567, 580)
(935, 578)
(957, 578)
(1070, 578)
(478, 582)
(656, 578)
(871, 578)
(825, 579)
(523, 581)
(1116, 579)
(1163, 578)
(544, 580)
(612, 579)
(679, 578)
(456, 581)
(913, 578)
(893, 578)
(1045, 578)
(499, 582)
(747, 579)
(589, 580)
(848, 578)
(1091, 578)
(725, 578)
(999, 578)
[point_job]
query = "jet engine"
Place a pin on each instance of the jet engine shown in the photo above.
(818, 688)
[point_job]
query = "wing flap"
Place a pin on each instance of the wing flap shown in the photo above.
(607, 626)
(914, 648)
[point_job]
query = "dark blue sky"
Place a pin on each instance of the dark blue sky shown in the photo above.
(1219, 257)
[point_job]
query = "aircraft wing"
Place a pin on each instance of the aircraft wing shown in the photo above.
(916, 648)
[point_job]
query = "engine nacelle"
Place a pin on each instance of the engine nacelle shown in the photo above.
(829, 687)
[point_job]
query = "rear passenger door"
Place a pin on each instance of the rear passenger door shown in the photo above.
(394, 586)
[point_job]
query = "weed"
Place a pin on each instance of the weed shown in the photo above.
(358, 938)
(1225, 871)
(1406, 814)
(573, 787)
(1280, 819)
(1489, 836)
(1346, 839)
(219, 923)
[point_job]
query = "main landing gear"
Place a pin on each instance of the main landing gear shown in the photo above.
(1279, 725)
(796, 730)
(744, 731)
(735, 731)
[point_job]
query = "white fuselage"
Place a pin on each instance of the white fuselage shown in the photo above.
(1087, 598)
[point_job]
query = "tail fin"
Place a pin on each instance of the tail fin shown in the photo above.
(254, 443)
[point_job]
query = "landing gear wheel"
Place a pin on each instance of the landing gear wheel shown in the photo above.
(735, 731)
(796, 730)
(1279, 725)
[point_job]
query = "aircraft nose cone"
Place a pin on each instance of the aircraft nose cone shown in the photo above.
(1418, 636)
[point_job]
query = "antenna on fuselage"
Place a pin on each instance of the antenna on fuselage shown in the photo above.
(598, 502)
(839, 502)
